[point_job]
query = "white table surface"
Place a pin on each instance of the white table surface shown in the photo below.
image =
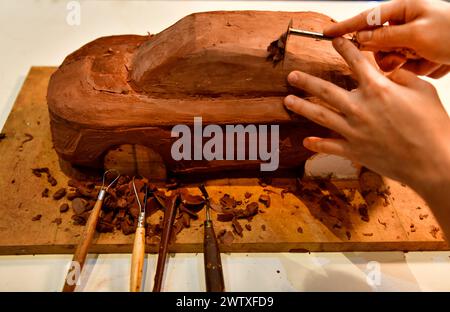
(36, 33)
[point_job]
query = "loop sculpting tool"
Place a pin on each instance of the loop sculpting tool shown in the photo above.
(79, 257)
(137, 258)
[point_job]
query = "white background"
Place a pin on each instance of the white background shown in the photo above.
(36, 33)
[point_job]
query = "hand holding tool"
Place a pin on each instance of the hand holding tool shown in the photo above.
(138, 255)
(277, 48)
(80, 254)
(211, 252)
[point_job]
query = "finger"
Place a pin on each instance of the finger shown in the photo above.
(390, 11)
(406, 78)
(325, 90)
(338, 147)
(386, 37)
(421, 67)
(388, 61)
(318, 113)
(440, 72)
(359, 65)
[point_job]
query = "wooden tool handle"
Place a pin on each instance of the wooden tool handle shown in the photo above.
(83, 246)
(137, 260)
(213, 263)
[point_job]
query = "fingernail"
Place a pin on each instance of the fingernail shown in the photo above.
(365, 35)
(307, 142)
(289, 101)
(292, 77)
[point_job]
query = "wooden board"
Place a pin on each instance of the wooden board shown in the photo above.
(389, 227)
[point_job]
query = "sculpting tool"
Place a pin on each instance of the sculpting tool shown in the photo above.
(137, 257)
(211, 252)
(80, 254)
(277, 48)
(169, 217)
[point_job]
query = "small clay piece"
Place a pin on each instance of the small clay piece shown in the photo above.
(412, 228)
(225, 217)
(277, 49)
(382, 223)
(300, 230)
(152, 206)
(64, 207)
(57, 221)
(265, 200)
(72, 194)
(104, 227)
(122, 204)
(186, 220)
(251, 209)
(36, 217)
(90, 193)
(248, 227)
(127, 226)
(237, 227)
(79, 205)
(423, 216)
(176, 229)
(194, 202)
(29, 137)
(228, 202)
(59, 194)
(226, 237)
(38, 171)
(73, 183)
(45, 192)
(434, 230)
(247, 195)
(362, 209)
(284, 191)
(52, 180)
(368, 234)
(348, 234)
(215, 206)
(263, 227)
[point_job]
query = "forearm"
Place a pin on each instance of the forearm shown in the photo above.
(434, 187)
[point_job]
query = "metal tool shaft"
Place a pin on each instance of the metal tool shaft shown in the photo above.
(309, 34)
(79, 257)
(211, 252)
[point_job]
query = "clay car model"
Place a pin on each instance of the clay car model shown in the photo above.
(131, 89)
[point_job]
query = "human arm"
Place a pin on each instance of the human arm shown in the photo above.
(394, 125)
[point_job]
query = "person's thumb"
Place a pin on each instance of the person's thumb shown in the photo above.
(386, 37)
